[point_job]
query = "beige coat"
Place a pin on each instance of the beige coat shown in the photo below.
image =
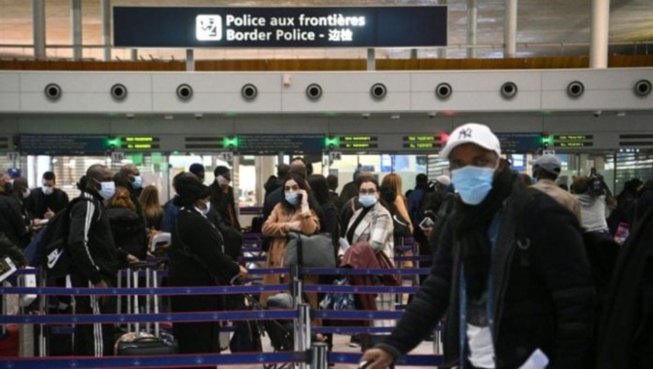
(563, 197)
(275, 228)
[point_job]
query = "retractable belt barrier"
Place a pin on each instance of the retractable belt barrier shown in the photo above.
(301, 354)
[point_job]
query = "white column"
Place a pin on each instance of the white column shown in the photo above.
(510, 29)
(442, 51)
(371, 59)
(600, 28)
(472, 17)
(190, 60)
(76, 27)
(38, 18)
(134, 54)
(105, 11)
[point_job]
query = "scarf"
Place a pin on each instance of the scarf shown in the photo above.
(471, 227)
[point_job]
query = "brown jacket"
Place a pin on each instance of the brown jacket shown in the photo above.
(275, 228)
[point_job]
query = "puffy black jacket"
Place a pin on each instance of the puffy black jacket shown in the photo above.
(543, 294)
(129, 232)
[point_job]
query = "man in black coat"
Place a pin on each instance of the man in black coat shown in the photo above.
(222, 197)
(517, 283)
(11, 220)
(44, 202)
(626, 333)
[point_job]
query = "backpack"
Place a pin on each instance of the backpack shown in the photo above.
(401, 225)
(49, 248)
(246, 337)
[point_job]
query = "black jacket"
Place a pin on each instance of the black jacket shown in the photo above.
(90, 240)
(626, 334)
(543, 294)
(11, 220)
(197, 256)
(645, 200)
(39, 203)
(224, 203)
(129, 232)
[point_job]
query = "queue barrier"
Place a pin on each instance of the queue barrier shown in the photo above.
(300, 315)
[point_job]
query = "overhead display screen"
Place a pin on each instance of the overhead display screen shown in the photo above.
(254, 144)
(63, 144)
(186, 27)
(515, 142)
(139, 143)
(573, 141)
(426, 142)
(358, 142)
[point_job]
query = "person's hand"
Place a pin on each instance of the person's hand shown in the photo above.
(243, 272)
(48, 214)
(294, 226)
(304, 196)
(427, 231)
(377, 359)
(132, 259)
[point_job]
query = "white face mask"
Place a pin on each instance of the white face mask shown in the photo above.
(26, 193)
(47, 190)
(222, 181)
(107, 190)
(204, 211)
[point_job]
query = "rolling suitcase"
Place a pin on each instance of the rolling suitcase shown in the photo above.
(137, 342)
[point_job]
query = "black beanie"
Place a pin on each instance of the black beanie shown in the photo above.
(189, 190)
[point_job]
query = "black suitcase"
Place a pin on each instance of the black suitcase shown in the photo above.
(143, 346)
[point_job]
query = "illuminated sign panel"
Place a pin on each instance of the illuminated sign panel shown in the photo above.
(186, 27)
(572, 141)
(421, 142)
(139, 143)
(358, 142)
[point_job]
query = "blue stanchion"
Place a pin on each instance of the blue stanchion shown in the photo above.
(171, 361)
(350, 271)
(412, 360)
(213, 290)
(281, 314)
(357, 314)
(358, 289)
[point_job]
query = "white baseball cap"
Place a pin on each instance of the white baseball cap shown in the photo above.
(443, 180)
(478, 134)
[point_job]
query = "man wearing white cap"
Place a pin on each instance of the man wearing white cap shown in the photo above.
(546, 170)
(511, 273)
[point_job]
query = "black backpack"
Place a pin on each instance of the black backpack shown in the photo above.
(55, 257)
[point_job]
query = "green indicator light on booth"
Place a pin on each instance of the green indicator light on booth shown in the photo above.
(113, 142)
(331, 142)
(230, 142)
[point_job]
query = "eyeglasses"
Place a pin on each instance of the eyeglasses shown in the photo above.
(370, 191)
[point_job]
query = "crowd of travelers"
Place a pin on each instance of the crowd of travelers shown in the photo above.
(522, 269)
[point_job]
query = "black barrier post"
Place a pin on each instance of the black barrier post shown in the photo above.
(319, 355)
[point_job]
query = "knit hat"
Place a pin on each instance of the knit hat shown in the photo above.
(189, 190)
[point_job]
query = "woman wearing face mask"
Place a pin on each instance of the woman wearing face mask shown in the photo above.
(373, 223)
(295, 213)
(197, 258)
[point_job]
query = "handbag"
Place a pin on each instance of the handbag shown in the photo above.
(316, 251)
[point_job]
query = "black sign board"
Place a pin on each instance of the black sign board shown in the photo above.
(139, 143)
(63, 144)
(358, 142)
(421, 142)
(519, 142)
(256, 144)
(417, 26)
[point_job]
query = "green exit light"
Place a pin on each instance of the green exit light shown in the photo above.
(229, 142)
(331, 142)
(114, 142)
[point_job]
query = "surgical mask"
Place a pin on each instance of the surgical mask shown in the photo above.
(26, 193)
(292, 198)
(473, 183)
(222, 181)
(107, 189)
(367, 200)
(138, 182)
(204, 211)
(47, 190)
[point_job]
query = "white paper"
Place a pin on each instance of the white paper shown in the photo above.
(537, 360)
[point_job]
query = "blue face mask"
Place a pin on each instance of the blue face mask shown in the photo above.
(138, 182)
(472, 183)
(107, 189)
(367, 200)
(292, 198)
